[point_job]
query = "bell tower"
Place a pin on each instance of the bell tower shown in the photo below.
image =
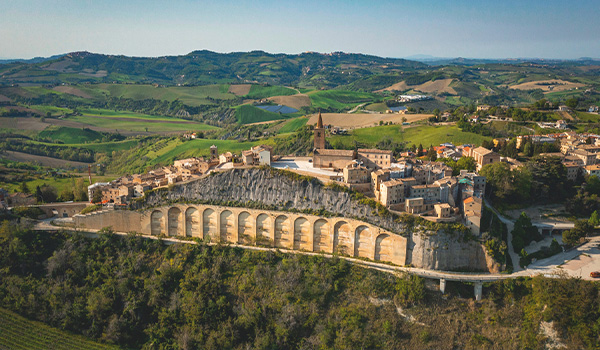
(319, 134)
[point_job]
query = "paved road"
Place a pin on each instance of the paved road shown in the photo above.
(568, 263)
(46, 225)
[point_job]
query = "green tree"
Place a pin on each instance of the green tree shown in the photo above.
(466, 163)
(23, 188)
(594, 220)
(97, 196)
(572, 103)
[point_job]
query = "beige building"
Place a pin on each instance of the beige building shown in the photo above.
(333, 158)
(587, 157)
(392, 192)
(442, 210)
(592, 170)
(484, 156)
(355, 173)
(225, 157)
(415, 205)
(472, 208)
(377, 177)
(375, 158)
(572, 170)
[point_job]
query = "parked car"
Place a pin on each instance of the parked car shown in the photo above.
(595, 274)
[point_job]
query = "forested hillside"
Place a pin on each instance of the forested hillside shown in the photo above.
(137, 293)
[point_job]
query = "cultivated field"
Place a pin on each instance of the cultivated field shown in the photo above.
(23, 123)
(42, 160)
(239, 89)
(437, 86)
(295, 101)
(426, 135)
(358, 120)
(340, 99)
(71, 90)
(17, 332)
(190, 95)
(545, 85)
(293, 125)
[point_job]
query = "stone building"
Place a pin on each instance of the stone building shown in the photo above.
(375, 158)
(356, 173)
(484, 156)
(332, 158)
(319, 134)
(392, 192)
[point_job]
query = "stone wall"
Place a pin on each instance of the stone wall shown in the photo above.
(266, 228)
(426, 248)
(271, 188)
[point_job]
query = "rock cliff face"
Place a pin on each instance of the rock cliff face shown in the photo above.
(285, 191)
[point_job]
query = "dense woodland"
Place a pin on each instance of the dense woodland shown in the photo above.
(139, 293)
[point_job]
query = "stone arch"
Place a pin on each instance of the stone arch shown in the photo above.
(283, 233)
(174, 215)
(363, 242)
(192, 222)
(157, 223)
(322, 236)
(246, 233)
(209, 224)
(302, 234)
(263, 230)
(383, 248)
(227, 229)
(342, 238)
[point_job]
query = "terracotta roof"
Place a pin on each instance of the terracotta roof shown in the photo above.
(482, 151)
(335, 152)
(469, 200)
(366, 150)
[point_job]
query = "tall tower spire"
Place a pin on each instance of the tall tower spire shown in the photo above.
(320, 121)
(319, 133)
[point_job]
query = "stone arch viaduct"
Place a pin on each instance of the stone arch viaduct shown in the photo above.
(276, 229)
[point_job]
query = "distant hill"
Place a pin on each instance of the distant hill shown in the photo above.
(205, 67)
(30, 60)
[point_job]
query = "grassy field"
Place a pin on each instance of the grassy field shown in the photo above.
(59, 183)
(260, 91)
(339, 99)
(377, 107)
(70, 135)
(588, 117)
(293, 125)
(98, 146)
(17, 332)
(190, 95)
(425, 135)
(54, 111)
(247, 114)
(129, 121)
(177, 149)
(124, 114)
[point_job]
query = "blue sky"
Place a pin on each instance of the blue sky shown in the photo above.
(475, 28)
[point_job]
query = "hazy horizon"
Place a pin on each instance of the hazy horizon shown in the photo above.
(411, 57)
(481, 29)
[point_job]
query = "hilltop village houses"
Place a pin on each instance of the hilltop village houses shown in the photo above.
(404, 185)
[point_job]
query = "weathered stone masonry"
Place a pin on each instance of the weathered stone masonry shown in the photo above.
(423, 247)
(258, 227)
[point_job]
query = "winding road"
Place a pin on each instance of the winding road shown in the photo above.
(552, 266)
